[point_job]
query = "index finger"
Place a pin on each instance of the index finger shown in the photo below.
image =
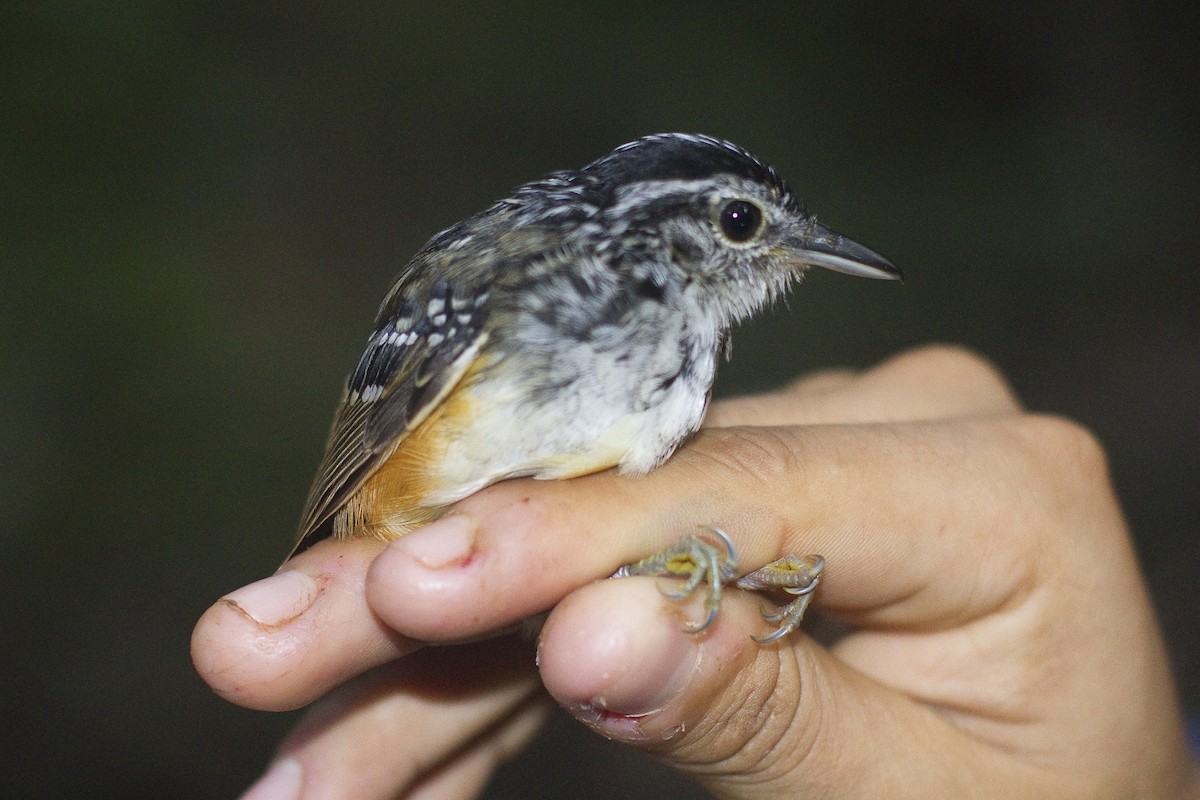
(902, 513)
(928, 383)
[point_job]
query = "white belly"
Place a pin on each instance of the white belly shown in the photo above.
(579, 431)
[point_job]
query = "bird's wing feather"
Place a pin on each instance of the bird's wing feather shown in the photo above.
(421, 347)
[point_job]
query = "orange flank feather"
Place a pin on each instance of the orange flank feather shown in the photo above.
(391, 503)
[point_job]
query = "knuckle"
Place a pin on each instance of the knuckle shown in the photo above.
(951, 357)
(756, 454)
(1070, 447)
(960, 367)
(821, 380)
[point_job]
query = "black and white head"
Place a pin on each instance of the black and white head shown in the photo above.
(729, 226)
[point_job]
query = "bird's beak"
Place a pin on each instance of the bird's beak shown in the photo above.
(821, 247)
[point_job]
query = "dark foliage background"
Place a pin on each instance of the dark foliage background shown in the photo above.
(203, 203)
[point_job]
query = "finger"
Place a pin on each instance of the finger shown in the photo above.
(433, 725)
(895, 510)
(469, 771)
(935, 382)
(743, 720)
(929, 383)
(282, 642)
(1035, 699)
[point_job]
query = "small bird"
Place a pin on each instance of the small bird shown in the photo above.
(572, 327)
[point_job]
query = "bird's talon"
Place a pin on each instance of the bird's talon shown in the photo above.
(682, 594)
(695, 560)
(789, 616)
(700, 627)
(794, 576)
(774, 636)
(699, 559)
(772, 616)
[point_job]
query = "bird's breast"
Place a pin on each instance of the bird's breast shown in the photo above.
(559, 412)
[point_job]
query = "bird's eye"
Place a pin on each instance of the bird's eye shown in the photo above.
(740, 220)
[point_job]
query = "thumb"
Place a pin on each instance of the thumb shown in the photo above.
(742, 719)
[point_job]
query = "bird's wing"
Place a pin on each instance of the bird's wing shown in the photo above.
(422, 345)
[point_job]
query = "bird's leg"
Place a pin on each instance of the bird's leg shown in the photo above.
(712, 559)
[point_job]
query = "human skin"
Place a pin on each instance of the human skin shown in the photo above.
(995, 635)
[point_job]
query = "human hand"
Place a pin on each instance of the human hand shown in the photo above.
(1000, 642)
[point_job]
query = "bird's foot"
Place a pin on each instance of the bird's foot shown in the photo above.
(711, 558)
(797, 576)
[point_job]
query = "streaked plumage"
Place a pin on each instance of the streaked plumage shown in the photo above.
(571, 327)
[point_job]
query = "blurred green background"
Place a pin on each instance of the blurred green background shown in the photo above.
(202, 207)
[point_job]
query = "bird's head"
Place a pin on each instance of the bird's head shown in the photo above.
(724, 220)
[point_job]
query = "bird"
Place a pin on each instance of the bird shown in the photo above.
(572, 327)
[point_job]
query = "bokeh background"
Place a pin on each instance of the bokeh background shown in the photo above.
(202, 205)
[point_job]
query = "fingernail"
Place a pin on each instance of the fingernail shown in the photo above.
(447, 542)
(277, 599)
(283, 781)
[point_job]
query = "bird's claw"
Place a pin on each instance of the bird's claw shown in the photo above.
(794, 575)
(698, 559)
(695, 559)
